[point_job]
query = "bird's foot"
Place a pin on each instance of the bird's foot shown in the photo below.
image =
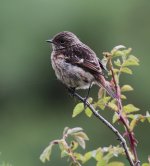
(71, 91)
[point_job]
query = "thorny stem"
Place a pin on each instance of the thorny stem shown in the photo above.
(123, 119)
(109, 125)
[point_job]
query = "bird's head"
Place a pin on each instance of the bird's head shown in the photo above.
(64, 40)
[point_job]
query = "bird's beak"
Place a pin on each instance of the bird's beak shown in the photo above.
(49, 41)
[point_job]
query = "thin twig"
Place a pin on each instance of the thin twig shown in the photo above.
(109, 125)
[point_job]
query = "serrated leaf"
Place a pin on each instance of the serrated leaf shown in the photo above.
(131, 61)
(99, 154)
(116, 163)
(46, 153)
(130, 108)
(74, 130)
(78, 109)
(126, 70)
(87, 156)
(88, 112)
(125, 88)
(117, 62)
(115, 118)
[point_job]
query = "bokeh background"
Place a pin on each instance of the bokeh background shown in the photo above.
(34, 106)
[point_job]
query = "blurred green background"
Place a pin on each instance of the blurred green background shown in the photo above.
(34, 106)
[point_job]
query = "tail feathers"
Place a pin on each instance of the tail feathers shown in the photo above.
(106, 85)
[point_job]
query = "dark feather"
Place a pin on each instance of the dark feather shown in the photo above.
(84, 57)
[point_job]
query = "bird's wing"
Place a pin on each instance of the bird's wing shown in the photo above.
(84, 57)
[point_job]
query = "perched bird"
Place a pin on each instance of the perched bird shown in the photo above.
(76, 65)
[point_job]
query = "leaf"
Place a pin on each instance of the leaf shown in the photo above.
(116, 163)
(74, 145)
(79, 156)
(64, 153)
(99, 154)
(78, 109)
(46, 153)
(102, 102)
(148, 116)
(101, 163)
(81, 141)
(113, 106)
(123, 97)
(133, 124)
(82, 135)
(131, 61)
(145, 164)
(126, 70)
(125, 88)
(74, 130)
(115, 118)
(130, 108)
(87, 156)
(88, 112)
(65, 130)
(117, 62)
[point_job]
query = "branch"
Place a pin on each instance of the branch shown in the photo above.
(123, 119)
(109, 125)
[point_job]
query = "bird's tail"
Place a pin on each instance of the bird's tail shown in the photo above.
(107, 86)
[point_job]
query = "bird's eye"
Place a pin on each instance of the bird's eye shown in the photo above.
(62, 41)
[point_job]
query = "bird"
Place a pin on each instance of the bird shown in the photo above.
(76, 65)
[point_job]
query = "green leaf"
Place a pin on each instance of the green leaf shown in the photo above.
(87, 156)
(99, 154)
(145, 164)
(125, 88)
(133, 124)
(79, 156)
(126, 70)
(101, 163)
(131, 61)
(88, 112)
(74, 145)
(64, 153)
(78, 109)
(123, 97)
(130, 108)
(116, 163)
(115, 118)
(46, 153)
(117, 62)
(113, 106)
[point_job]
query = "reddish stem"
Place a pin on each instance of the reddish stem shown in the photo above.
(123, 119)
